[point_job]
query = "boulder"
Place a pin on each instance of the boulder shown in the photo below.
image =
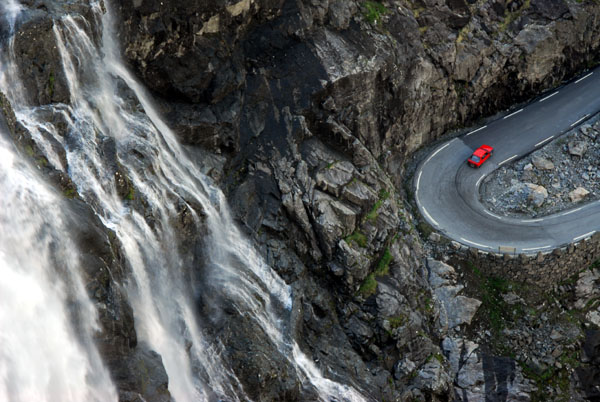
(433, 377)
(577, 148)
(542, 163)
(537, 194)
(578, 194)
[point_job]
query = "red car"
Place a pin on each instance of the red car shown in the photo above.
(480, 155)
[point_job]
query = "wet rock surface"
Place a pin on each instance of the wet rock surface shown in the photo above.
(561, 175)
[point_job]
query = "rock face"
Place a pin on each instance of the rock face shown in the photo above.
(314, 108)
(454, 309)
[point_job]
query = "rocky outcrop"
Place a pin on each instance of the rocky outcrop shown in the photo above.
(316, 107)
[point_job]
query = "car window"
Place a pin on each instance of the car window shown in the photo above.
(475, 158)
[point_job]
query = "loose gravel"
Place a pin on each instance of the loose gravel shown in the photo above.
(514, 189)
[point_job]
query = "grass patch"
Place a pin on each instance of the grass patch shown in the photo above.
(383, 266)
(493, 308)
(358, 238)
(373, 213)
(373, 11)
(369, 286)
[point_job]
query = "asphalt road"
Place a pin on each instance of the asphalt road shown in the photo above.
(447, 190)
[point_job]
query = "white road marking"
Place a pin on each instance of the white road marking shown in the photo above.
(574, 124)
(547, 139)
(419, 180)
(474, 131)
(436, 152)
(430, 218)
(491, 214)
(479, 181)
(512, 114)
(506, 160)
(473, 243)
(536, 248)
(571, 211)
(583, 78)
(583, 236)
(531, 220)
(549, 96)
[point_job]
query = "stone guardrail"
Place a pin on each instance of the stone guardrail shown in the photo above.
(544, 268)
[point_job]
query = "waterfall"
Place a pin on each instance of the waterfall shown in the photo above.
(109, 109)
(42, 358)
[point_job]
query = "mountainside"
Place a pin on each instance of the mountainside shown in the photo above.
(306, 114)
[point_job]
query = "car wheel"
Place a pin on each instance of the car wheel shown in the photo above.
(471, 164)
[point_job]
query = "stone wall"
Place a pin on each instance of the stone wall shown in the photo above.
(543, 269)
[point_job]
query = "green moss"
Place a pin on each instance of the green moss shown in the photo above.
(436, 356)
(383, 266)
(70, 193)
(51, 80)
(358, 238)
(42, 162)
(131, 194)
(29, 150)
(424, 229)
(373, 11)
(397, 321)
(369, 286)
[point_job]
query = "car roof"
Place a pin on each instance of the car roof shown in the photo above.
(479, 152)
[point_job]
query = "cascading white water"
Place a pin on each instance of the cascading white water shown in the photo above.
(10, 9)
(41, 356)
(163, 177)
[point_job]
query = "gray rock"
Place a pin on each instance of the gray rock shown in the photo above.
(433, 377)
(586, 287)
(542, 163)
(454, 309)
(333, 178)
(389, 301)
(537, 194)
(333, 220)
(577, 148)
(403, 368)
(434, 237)
(359, 193)
(593, 317)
